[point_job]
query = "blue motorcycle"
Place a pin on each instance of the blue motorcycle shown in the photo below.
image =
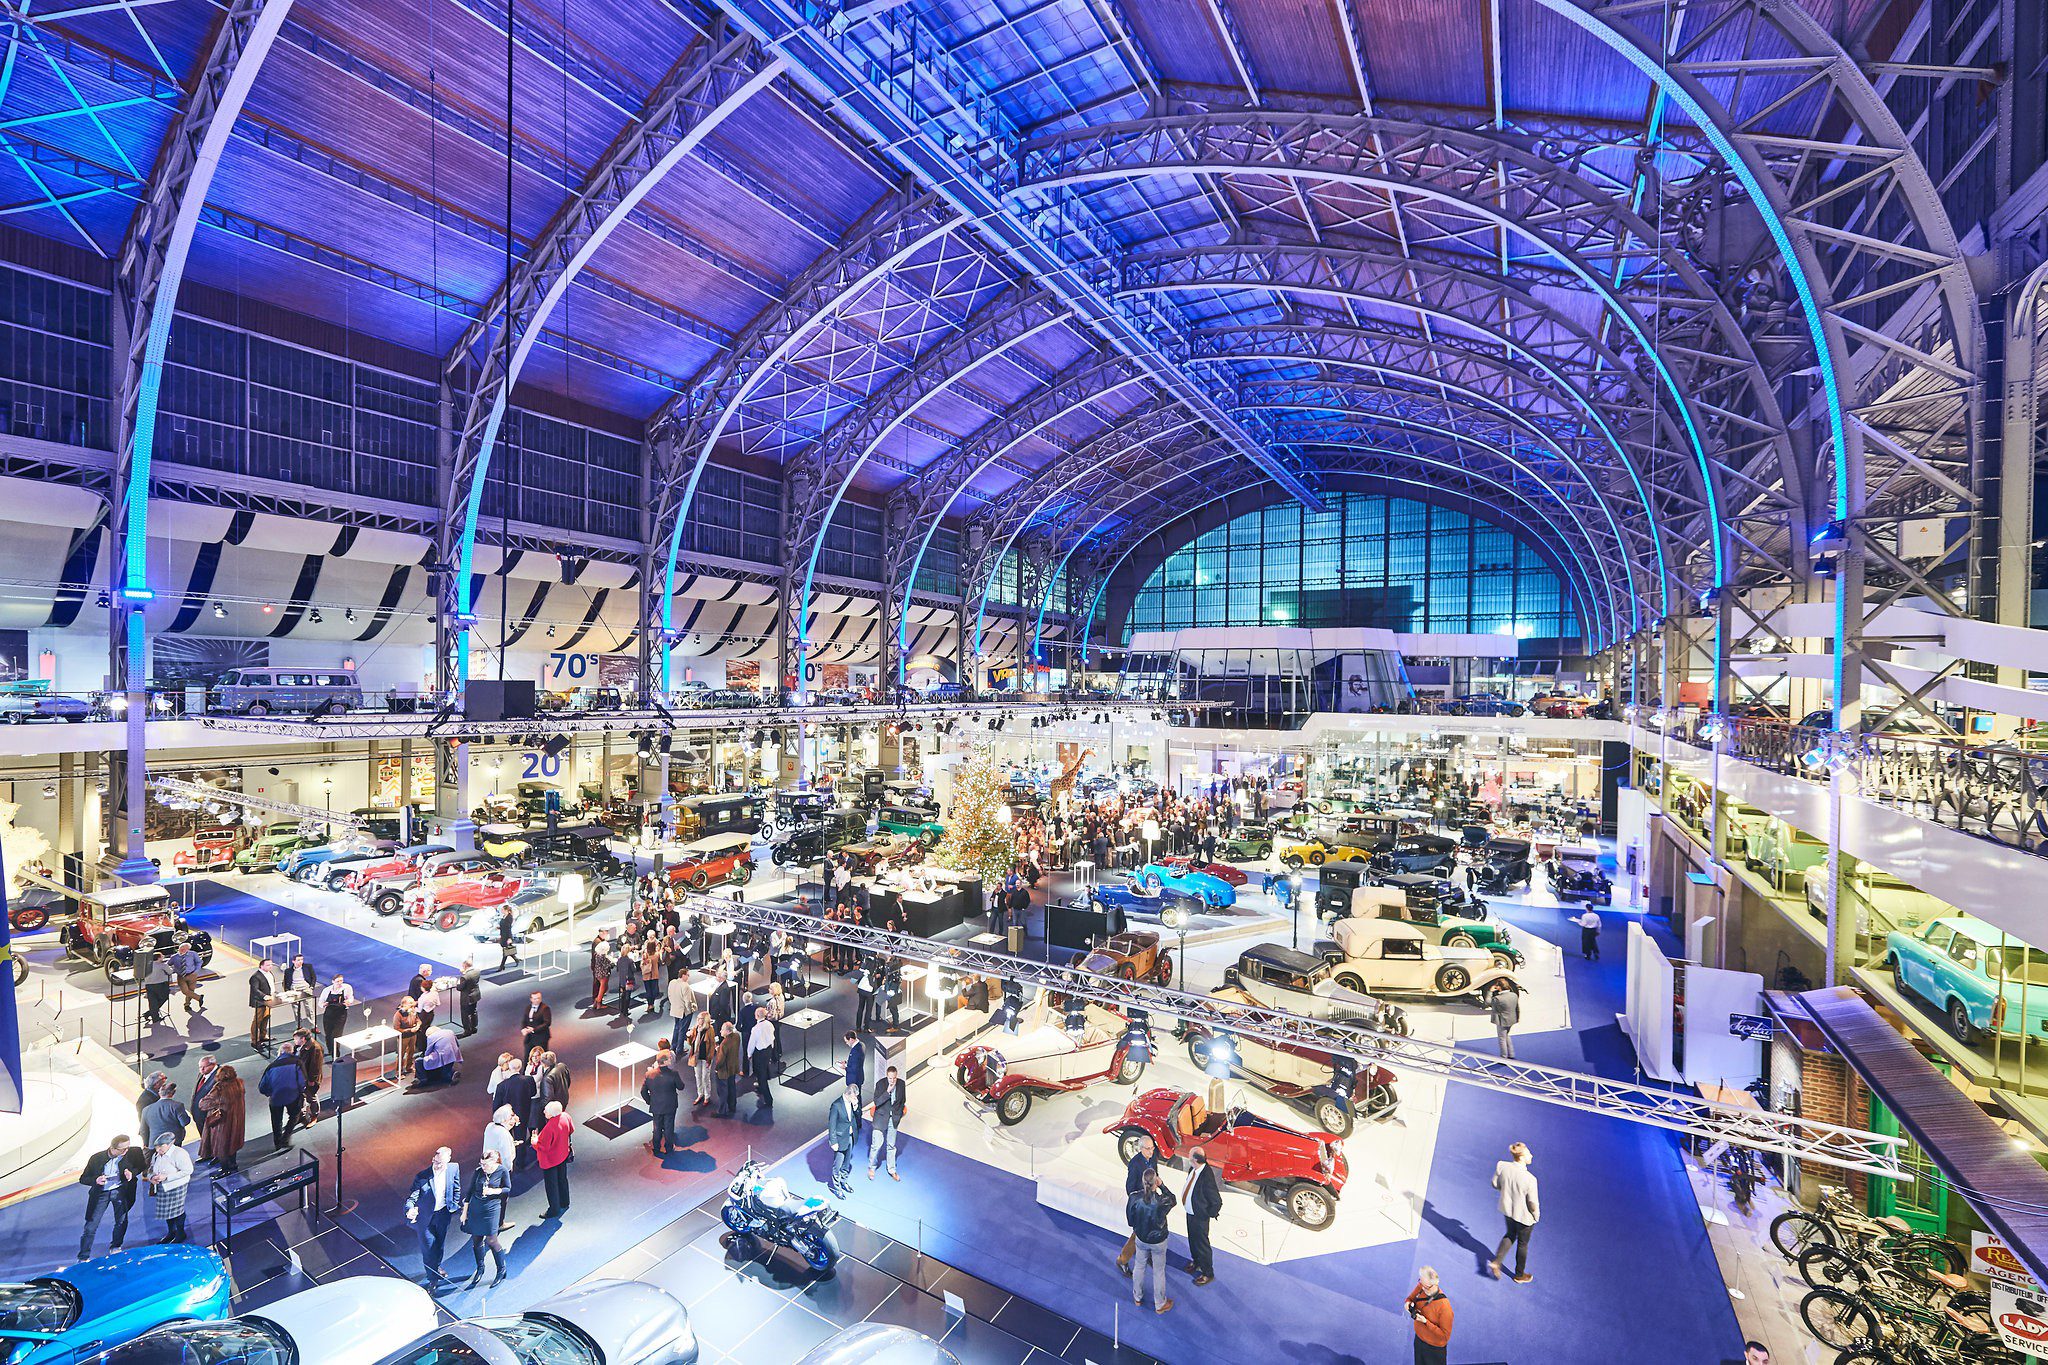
(763, 1206)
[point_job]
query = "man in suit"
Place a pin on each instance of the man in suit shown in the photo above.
(842, 1124)
(299, 975)
(431, 1207)
(537, 1024)
(662, 1088)
(885, 1111)
(262, 989)
(506, 956)
(1204, 1200)
(110, 1177)
(469, 989)
(1147, 1159)
(856, 1072)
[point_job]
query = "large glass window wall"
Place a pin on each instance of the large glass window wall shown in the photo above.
(1392, 563)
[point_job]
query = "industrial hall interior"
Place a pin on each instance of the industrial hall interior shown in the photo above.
(1023, 682)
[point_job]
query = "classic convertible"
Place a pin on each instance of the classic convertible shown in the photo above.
(1222, 872)
(1135, 956)
(1297, 1175)
(1329, 1087)
(1977, 976)
(54, 1318)
(1134, 898)
(1212, 891)
(1376, 956)
(1315, 852)
(1044, 1058)
(279, 840)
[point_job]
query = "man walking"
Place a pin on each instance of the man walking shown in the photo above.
(262, 988)
(284, 1084)
(1431, 1313)
(1505, 1006)
(430, 1208)
(1146, 1212)
(506, 956)
(185, 969)
(1204, 1200)
(864, 993)
(1520, 1206)
(536, 1026)
(110, 1180)
(1589, 933)
(885, 1112)
(841, 1127)
(856, 1070)
(663, 1091)
(1147, 1160)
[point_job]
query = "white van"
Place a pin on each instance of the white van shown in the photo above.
(263, 691)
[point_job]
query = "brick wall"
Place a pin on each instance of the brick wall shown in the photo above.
(1829, 1092)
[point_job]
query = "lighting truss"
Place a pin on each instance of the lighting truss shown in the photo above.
(1849, 1149)
(215, 796)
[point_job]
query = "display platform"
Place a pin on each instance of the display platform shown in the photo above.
(364, 948)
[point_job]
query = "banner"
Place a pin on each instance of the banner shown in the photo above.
(2021, 1318)
(1991, 1258)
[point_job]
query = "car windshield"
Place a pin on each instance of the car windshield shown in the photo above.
(441, 1350)
(243, 1342)
(39, 1306)
(540, 1340)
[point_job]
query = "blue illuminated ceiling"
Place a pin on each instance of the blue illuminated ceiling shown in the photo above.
(1631, 357)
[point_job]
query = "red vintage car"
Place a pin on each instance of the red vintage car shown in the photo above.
(213, 850)
(402, 863)
(1043, 1057)
(386, 895)
(446, 902)
(1221, 871)
(113, 922)
(713, 860)
(1296, 1175)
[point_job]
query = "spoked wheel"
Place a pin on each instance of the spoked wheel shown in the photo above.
(1826, 1267)
(1792, 1233)
(1310, 1205)
(1012, 1108)
(1838, 1319)
(28, 919)
(1333, 1117)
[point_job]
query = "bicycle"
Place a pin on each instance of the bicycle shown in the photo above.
(1952, 1338)
(1836, 1222)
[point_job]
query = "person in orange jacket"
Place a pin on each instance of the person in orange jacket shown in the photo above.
(1431, 1313)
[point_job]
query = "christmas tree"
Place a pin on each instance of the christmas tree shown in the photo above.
(978, 839)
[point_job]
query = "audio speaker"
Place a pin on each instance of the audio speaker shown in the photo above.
(491, 699)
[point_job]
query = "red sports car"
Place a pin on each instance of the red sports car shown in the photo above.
(1220, 871)
(448, 902)
(1297, 1175)
(715, 859)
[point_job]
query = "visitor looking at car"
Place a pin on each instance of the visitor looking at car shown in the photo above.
(1146, 1212)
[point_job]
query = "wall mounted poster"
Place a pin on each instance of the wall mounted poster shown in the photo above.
(187, 661)
(13, 656)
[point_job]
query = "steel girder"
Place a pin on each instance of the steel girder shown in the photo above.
(715, 78)
(1097, 558)
(818, 481)
(1694, 346)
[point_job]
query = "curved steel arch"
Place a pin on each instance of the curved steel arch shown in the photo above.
(1578, 221)
(1572, 576)
(711, 81)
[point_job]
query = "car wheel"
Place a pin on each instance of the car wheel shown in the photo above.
(1453, 980)
(1461, 939)
(1310, 1205)
(1127, 1144)
(1959, 1021)
(17, 717)
(1123, 971)
(257, 708)
(699, 880)
(447, 920)
(535, 925)
(1352, 981)
(1129, 1070)
(1012, 1108)
(1292, 862)
(20, 972)
(1503, 961)
(1263, 851)
(743, 873)
(1198, 1053)
(1316, 859)
(1333, 1117)
(30, 919)
(1162, 969)
(387, 903)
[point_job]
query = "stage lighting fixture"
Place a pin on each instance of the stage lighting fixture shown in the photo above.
(1138, 1036)
(1076, 1020)
(314, 616)
(1222, 1056)
(348, 614)
(104, 600)
(219, 612)
(551, 632)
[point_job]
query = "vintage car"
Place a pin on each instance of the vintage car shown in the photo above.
(1296, 1175)
(213, 850)
(27, 699)
(1246, 841)
(1485, 704)
(713, 861)
(1417, 853)
(1132, 956)
(386, 895)
(808, 841)
(597, 1322)
(878, 1343)
(351, 1321)
(1213, 892)
(915, 822)
(398, 862)
(550, 893)
(114, 921)
(503, 839)
(56, 1318)
(278, 841)
(1445, 914)
(788, 810)
(1331, 1088)
(1222, 872)
(1385, 957)
(1500, 866)
(1575, 875)
(697, 817)
(1980, 979)
(1315, 852)
(1043, 1058)
(1135, 898)
(1284, 978)
(306, 864)
(446, 902)
(346, 872)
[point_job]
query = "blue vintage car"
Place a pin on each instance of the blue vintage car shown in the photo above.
(1983, 980)
(57, 1318)
(1134, 898)
(1211, 890)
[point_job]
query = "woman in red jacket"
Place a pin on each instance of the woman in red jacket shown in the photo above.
(554, 1149)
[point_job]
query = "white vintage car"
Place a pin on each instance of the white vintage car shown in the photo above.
(1387, 957)
(1007, 1071)
(354, 1321)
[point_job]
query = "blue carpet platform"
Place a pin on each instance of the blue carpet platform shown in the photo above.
(1623, 1270)
(376, 969)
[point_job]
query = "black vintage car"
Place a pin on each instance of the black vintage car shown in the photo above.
(586, 841)
(1416, 853)
(809, 841)
(786, 811)
(1576, 876)
(1503, 865)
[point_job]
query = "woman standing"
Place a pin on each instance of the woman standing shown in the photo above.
(554, 1147)
(650, 975)
(483, 1213)
(335, 1003)
(778, 1005)
(222, 1116)
(170, 1176)
(406, 1021)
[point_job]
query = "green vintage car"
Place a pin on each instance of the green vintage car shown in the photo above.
(918, 824)
(1445, 914)
(278, 842)
(1246, 841)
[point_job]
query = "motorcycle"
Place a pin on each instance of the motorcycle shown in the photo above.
(762, 1206)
